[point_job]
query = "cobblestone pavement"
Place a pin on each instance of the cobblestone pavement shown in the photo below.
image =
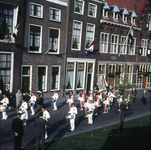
(60, 126)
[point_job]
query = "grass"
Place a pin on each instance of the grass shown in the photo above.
(138, 138)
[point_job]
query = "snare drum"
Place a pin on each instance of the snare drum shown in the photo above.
(21, 111)
(69, 116)
(2, 108)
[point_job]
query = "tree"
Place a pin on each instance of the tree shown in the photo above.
(123, 85)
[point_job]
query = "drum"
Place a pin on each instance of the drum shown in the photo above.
(89, 112)
(21, 111)
(2, 108)
(69, 116)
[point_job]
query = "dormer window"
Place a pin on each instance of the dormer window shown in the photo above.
(132, 20)
(115, 15)
(92, 10)
(78, 7)
(105, 13)
(124, 18)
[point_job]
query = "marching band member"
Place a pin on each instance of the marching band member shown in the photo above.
(55, 97)
(81, 99)
(24, 107)
(96, 104)
(106, 102)
(110, 98)
(90, 95)
(73, 111)
(91, 108)
(5, 102)
(70, 100)
(113, 95)
(32, 103)
(99, 98)
(127, 99)
(86, 102)
(119, 101)
(46, 116)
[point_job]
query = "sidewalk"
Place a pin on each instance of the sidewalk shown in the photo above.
(60, 126)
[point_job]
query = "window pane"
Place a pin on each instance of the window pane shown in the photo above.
(54, 77)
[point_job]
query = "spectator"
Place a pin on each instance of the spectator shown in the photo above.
(19, 98)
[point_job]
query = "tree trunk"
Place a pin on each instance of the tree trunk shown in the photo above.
(120, 120)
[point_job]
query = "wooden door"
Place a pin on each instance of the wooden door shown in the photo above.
(111, 80)
(25, 84)
(144, 81)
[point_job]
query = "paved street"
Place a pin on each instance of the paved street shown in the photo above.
(60, 126)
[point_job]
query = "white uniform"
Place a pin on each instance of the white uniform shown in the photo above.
(5, 102)
(24, 107)
(106, 101)
(46, 116)
(81, 97)
(100, 95)
(55, 98)
(120, 98)
(73, 111)
(70, 99)
(32, 101)
(91, 108)
(128, 97)
(90, 96)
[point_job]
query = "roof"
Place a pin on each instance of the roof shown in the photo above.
(133, 7)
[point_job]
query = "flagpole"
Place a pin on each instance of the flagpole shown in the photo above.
(125, 40)
(49, 47)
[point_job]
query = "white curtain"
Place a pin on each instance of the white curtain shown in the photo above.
(80, 76)
(69, 78)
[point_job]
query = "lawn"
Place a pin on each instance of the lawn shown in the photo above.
(137, 137)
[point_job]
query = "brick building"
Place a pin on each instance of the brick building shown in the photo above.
(49, 51)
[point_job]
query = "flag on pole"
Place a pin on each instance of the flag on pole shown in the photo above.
(90, 47)
(131, 33)
(52, 46)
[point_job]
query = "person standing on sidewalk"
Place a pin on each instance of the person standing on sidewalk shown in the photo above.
(144, 95)
(19, 98)
(81, 99)
(91, 108)
(18, 131)
(40, 124)
(70, 100)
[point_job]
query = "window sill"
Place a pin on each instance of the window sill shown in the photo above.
(75, 49)
(57, 90)
(78, 13)
(92, 16)
(55, 20)
(36, 17)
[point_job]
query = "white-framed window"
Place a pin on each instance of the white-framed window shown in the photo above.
(6, 69)
(70, 75)
(54, 40)
(139, 75)
(42, 78)
(26, 78)
(144, 47)
(149, 21)
(132, 47)
(8, 20)
(36, 10)
(112, 68)
(133, 20)
(102, 70)
(35, 38)
(92, 9)
(105, 13)
(123, 45)
(130, 73)
(76, 35)
(115, 15)
(149, 75)
(79, 6)
(114, 44)
(150, 44)
(80, 75)
(55, 78)
(90, 31)
(104, 37)
(124, 17)
(54, 14)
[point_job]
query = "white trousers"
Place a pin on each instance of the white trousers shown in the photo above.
(90, 118)
(72, 124)
(4, 113)
(32, 109)
(54, 105)
(111, 99)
